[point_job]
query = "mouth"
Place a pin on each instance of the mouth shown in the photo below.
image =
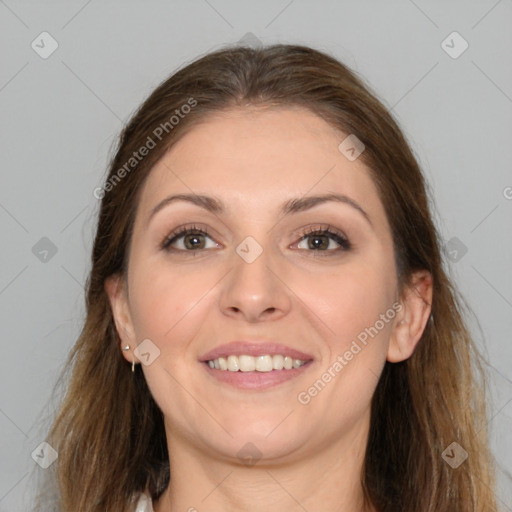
(255, 365)
(263, 363)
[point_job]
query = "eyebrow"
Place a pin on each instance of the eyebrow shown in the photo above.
(291, 206)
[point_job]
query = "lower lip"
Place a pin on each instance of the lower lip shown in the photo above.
(256, 380)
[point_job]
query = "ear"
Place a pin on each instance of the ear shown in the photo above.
(411, 320)
(117, 294)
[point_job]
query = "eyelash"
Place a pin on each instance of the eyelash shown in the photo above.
(327, 230)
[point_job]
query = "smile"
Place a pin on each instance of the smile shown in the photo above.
(264, 363)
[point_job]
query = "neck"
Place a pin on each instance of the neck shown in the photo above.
(327, 479)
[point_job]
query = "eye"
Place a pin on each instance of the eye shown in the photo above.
(317, 240)
(187, 239)
(321, 239)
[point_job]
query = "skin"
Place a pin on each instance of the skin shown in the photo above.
(312, 454)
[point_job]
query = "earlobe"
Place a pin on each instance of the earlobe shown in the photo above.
(410, 323)
(115, 289)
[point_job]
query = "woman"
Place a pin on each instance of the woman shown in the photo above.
(269, 324)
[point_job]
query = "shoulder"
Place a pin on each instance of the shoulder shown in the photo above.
(143, 503)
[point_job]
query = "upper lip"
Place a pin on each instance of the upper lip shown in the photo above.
(254, 348)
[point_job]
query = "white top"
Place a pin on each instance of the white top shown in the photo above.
(144, 504)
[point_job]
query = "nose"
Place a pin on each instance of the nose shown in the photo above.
(255, 290)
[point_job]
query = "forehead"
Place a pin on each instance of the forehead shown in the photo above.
(255, 155)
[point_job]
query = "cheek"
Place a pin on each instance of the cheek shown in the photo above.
(348, 300)
(350, 303)
(167, 301)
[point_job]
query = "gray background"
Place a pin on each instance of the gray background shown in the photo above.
(61, 114)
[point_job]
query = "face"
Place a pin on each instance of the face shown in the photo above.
(319, 279)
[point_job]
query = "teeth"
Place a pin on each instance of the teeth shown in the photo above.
(247, 363)
(264, 363)
(278, 362)
(233, 364)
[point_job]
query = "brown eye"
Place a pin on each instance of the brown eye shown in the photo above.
(321, 241)
(194, 241)
(188, 240)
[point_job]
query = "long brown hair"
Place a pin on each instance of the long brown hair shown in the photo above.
(109, 432)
